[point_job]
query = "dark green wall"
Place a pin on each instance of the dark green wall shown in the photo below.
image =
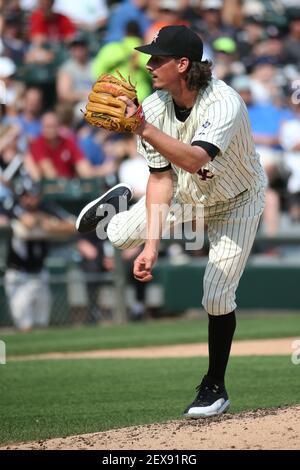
(270, 287)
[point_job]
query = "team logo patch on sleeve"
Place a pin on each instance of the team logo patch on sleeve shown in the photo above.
(201, 129)
(205, 174)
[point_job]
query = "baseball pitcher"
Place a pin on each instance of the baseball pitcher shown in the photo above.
(194, 133)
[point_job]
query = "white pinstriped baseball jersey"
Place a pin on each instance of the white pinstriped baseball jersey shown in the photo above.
(230, 187)
(219, 116)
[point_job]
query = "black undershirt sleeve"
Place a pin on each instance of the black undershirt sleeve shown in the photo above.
(159, 170)
(211, 149)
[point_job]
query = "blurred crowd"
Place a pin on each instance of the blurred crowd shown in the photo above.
(51, 52)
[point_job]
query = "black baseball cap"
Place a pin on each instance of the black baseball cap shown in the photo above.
(175, 41)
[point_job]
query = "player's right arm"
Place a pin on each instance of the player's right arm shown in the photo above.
(168, 147)
(158, 199)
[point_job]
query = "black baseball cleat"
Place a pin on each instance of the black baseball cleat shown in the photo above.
(116, 198)
(211, 400)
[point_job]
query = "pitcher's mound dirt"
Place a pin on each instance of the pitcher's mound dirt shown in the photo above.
(260, 429)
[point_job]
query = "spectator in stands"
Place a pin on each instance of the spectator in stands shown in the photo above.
(87, 138)
(269, 10)
(226, 65)
(49, 33)
(168, 12)
(232, 13)
(29, 119)
(13, 162)
(66, 120)
(250, 34)
(121, 56)
(266, 120)
(87, 15)
(209, 21)
(56, 156)
(26, 281)
(94, 262)
(92, 145)
(11, 90)
(292, 41)
(290, 141)
(13, 7)
(264, 77)
(270, 48)
(28, 5)
(13, 38)
(75, 78)
(127, 11)
(242, 85)
(47, 26)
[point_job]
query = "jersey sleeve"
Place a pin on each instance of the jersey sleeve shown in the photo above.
(220, 122)
(154, 159)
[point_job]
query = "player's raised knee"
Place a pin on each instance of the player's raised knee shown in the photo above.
(117, 232)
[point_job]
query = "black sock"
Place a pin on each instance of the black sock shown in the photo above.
(220, 333)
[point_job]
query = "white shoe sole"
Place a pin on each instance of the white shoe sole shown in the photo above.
(96, 201)
(208, 411)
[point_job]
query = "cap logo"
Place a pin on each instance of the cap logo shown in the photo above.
(155, 36)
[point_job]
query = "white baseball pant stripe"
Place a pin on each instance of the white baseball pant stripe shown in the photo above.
(231, 228)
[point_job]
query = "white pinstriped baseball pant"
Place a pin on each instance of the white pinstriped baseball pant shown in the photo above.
(231, 229)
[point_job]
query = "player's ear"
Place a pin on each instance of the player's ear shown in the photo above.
(183, 64)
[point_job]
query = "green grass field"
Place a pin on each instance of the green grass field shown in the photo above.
(43, 399)
(159, 332)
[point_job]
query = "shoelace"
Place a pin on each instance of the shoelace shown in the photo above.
(203, 390)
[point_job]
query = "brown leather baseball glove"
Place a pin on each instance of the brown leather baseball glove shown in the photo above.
(104, 109)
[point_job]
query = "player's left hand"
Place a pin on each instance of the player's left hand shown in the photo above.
(132, 110)
(142, 267)
(131, 107)
(106, 106)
